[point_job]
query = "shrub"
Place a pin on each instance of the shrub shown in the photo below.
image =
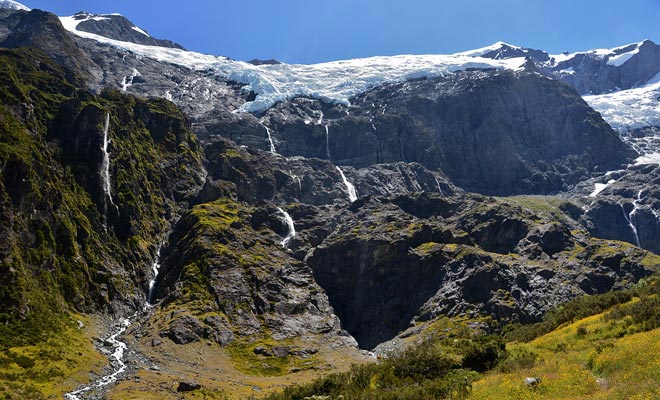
(518, 358)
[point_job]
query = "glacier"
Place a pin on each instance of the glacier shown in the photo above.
(333, 82)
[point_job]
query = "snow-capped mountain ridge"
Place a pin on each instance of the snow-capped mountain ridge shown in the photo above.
(334, 82)
(13, 5)
(338, 81)
(116, 27)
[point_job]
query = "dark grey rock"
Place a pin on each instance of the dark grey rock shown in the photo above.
(188, 386)
(184, 330)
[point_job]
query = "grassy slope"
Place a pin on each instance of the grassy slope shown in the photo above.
(53, 366)
(592, 358)
(56, 258)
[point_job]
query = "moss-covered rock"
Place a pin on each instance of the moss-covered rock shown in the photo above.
(62, 247)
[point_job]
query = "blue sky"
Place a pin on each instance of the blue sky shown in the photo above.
(308, 31)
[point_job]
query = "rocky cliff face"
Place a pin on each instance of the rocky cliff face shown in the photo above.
(388, 260)
(74, 238)
(43, 30)
(489, 132)
(310, 223)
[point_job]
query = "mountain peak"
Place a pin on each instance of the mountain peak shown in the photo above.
(112, 26)
(13, 5)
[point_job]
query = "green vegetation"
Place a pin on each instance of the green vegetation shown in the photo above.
(644, 314)
(246, 359)
(580, 350)
(63, 249)
(437, 368)
(50, 367)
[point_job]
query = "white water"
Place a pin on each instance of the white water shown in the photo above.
(352, 193)
(270, 138)
(127, 81)
(155, 267)
(439, 188)
(105, 164)
(327, 142)
(656, 214)
(297, 179)
(117, 357)
(630, 218)
(599, 187)
(292, 230)
(116, 361)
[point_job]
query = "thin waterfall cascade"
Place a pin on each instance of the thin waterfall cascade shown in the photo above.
(632, 226)
(327, 142)
(292, 229)
(630, 217)
(439, 188)
(155, 267)
(350, 188)
(127, 81)
(656, 214)
(327, 135)
(270, 138)
(296, 178)
(105, 164)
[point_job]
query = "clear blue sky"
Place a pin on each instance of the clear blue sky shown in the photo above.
(308, 31)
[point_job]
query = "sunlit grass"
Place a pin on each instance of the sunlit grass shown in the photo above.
(49, 368)
(588, 359)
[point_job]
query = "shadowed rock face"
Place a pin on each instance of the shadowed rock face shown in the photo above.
(389, 263)
(43, 30)
(489, 132)
(632, 199)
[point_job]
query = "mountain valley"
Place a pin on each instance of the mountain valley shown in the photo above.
(179, 225)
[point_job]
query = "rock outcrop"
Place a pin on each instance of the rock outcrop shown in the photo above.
(72, 238)
(489, 132)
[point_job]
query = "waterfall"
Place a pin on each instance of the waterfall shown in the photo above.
(155, 267)
(327, 142)
(656, 214)
(270, 138)
(292, 230)
(327, 135)
(352, 193)
(403, 155)
(599, 187)
(296, 179)
(128, 80)
(105, 164)
(438, 183)
(630, 218)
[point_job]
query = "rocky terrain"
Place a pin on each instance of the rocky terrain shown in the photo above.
(288, 239)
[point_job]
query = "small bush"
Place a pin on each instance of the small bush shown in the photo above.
(483, 353)
(518, 358)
